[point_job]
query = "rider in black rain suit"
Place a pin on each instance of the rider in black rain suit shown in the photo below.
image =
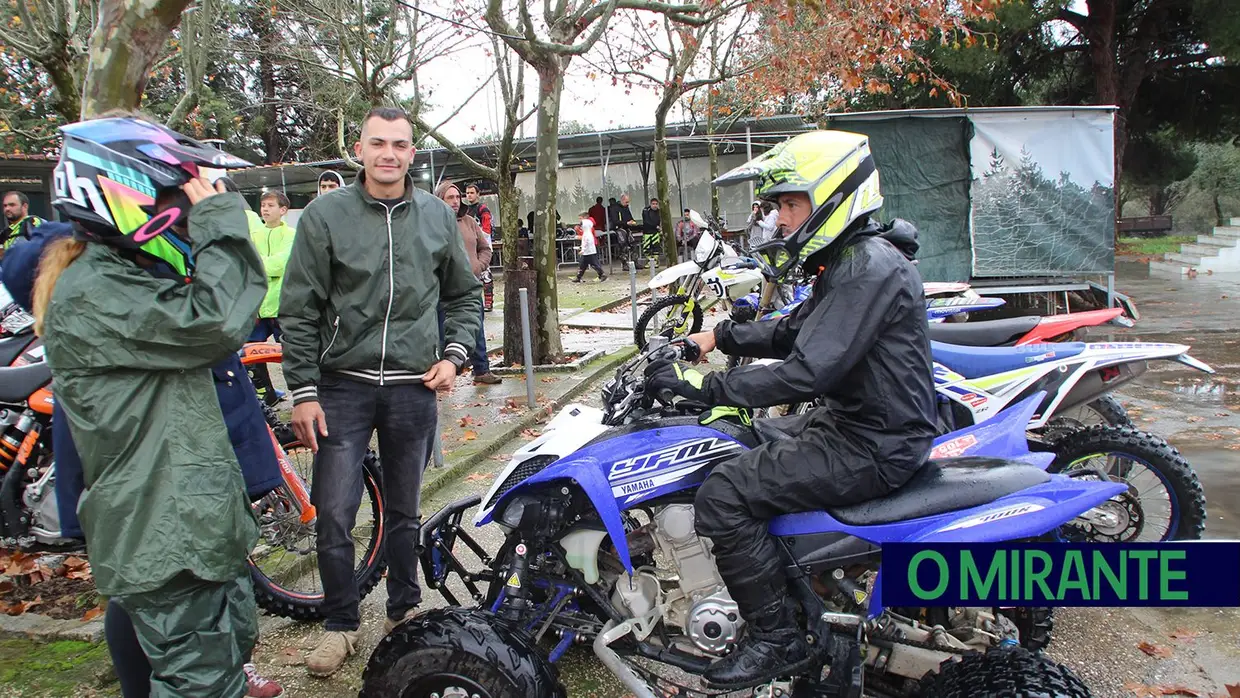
(860, 340)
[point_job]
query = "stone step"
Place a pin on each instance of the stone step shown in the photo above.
(1224, 231)
(1167, 268)
(1213, 241)
(1192, 260)
(1200, 250)
(1235, 222)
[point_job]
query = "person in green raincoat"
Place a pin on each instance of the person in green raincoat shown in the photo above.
(133, 313)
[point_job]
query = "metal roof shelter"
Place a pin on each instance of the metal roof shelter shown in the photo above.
(431, 165)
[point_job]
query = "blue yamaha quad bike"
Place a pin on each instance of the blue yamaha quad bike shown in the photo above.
(600, 550)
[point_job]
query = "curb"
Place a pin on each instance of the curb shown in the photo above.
(569, 367)
(37, 627)
(450, 472)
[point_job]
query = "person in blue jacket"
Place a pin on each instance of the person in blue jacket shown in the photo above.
(247, 430)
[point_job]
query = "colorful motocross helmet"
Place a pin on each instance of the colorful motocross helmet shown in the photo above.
(837, 172)
(110, 174)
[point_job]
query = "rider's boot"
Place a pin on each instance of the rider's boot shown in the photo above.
(773, 646)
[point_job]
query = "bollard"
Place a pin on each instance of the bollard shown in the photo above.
(633, 291)
(438, 449)
(654, 270)
(529, 352)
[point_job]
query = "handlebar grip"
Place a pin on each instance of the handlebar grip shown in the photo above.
(665, 396)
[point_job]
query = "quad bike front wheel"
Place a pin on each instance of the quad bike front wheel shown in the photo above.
(668, 317)
(458, 652)
(1164, 500)
(1012, 672)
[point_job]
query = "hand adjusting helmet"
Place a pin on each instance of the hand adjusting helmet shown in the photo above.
(834, 169)
(112, 171)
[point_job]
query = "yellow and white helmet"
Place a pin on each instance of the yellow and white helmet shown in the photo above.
(834, 168)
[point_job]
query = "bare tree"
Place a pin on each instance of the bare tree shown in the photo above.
(373, 46)
(499, 168)
(128, 39)
(636, 56)
(55, 35)
(567, 28)
(198, 41)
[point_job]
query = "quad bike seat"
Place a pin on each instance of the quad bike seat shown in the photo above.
(950, 484)
(12, 347)
(975, 362)
(18, 384)
(984, 333)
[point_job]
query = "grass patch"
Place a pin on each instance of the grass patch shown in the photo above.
(1148, 247)
(61, 668)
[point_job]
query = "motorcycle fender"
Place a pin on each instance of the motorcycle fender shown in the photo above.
(1002, 436)
(671, 274)
(1029, 513)
(574, 427)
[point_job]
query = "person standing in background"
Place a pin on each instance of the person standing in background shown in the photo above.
(17, 215)
(482, 215)
(589, 249)
(478, 247)
(274, 240)
(329, 181)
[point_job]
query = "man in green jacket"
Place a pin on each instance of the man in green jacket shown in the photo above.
(370, 264)
(136, 315)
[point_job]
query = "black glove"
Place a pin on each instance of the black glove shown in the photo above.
(665, 374)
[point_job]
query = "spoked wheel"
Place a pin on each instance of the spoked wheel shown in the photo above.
(458, 652)
(1164, 500)
(672, 317)
(1104, 410)
(284, 565)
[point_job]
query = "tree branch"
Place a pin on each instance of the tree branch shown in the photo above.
(1076, 19)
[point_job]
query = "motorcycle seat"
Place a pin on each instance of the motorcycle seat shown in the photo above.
(940, 486)
(976, 362)
(18, 384)
(12, 347)
(984, 333)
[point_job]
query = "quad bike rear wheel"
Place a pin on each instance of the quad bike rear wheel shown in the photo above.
(458, 652)
(1012, 672)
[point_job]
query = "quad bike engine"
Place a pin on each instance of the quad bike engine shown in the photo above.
(698, 603)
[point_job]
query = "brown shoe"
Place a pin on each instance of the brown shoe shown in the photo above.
(331, 652)
(389, 625)
(488, 379)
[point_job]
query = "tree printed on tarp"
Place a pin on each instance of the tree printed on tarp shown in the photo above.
(1026, 223)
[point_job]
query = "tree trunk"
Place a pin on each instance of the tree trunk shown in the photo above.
(1218, 209)
(712, 150)
(662, 183)
(1100, 31)
(68, 102)
(127, 41)
(273, 145)
(547, 323)
(516, 272)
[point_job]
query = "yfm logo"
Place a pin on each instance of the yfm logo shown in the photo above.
(81, 190)
(694, 452)
(990, 517)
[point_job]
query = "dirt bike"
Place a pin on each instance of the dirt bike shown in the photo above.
(599, 549)
(283, 565)
(1029, 329)
(679, 313)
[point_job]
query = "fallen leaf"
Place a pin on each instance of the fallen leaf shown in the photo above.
(92, 613)
(1140, 690)
(1212, 437)
(477, 404)
(22, 606)
(1222, 414)
(467, 420)
(1154, 650)
(477, 477)
(1233, 689)
(470, 435)
(74, 562)
(1184, 634)
(548, 379)
(78, 574)
(1177, 690)
(530, 433)
(500, 458)
(6, 586)
(1194, 419)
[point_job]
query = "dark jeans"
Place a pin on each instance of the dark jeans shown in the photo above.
(589, 260)
(264, 328)
(405, 417)
(479, 361)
